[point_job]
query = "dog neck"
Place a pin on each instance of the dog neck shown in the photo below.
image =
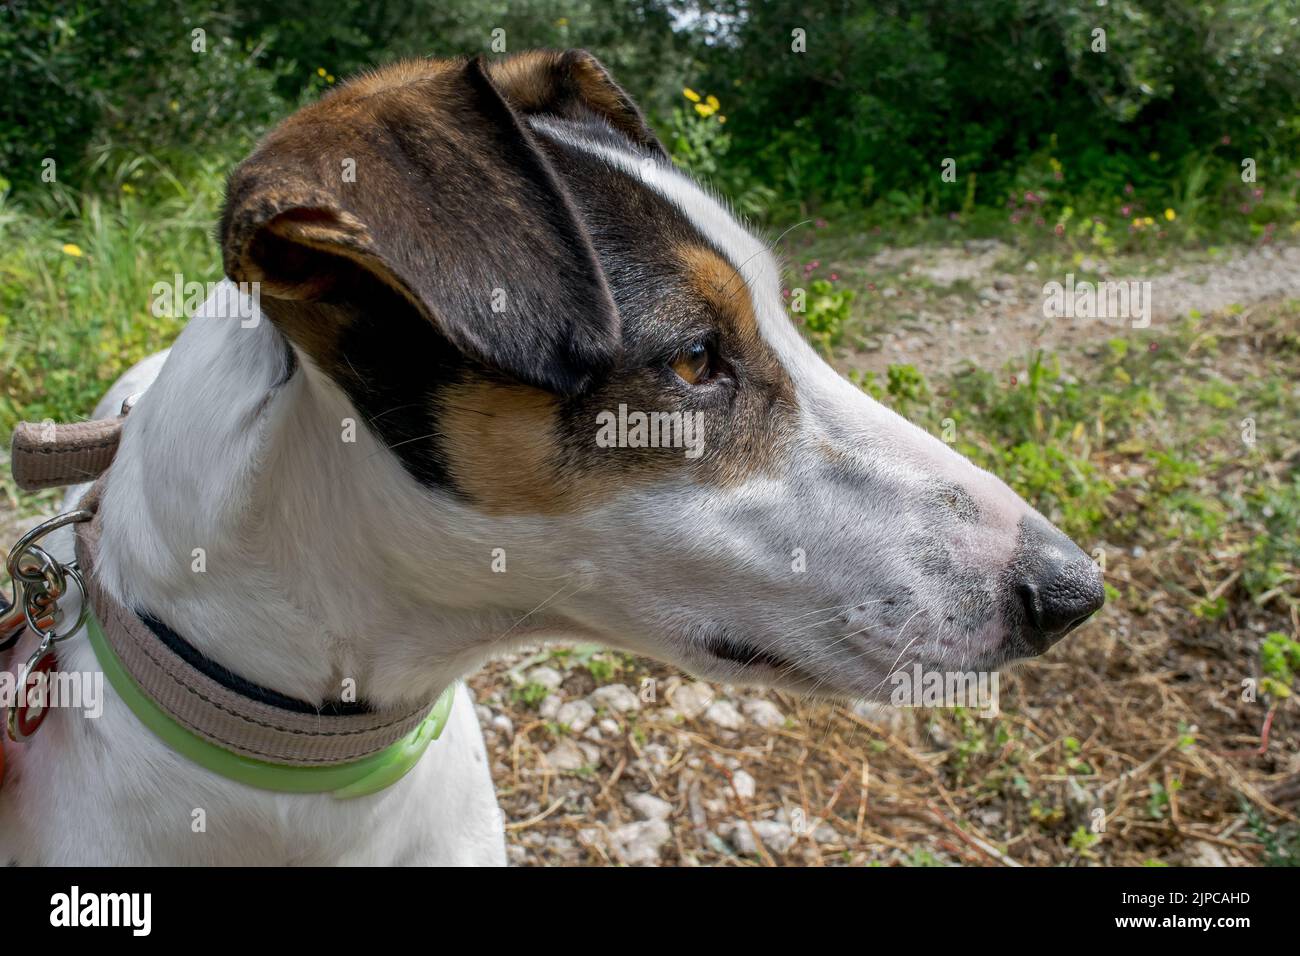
(250, 510)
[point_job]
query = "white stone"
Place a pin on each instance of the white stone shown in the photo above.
(565, 755)
(638, 844)
(547, 677)
(649, 806)
(776, 836)
(724, 714)
(764, 713)
(691, 700)
(744, 784)
(577, 715)
(617, 697)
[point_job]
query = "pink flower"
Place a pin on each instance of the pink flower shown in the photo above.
(1128, 189)
(835, 277)
(1226, 140)
(1125, 210)
(820, 223)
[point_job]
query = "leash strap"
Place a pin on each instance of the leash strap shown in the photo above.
(48, 455)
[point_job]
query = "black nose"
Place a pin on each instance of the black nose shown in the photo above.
(1058, 586)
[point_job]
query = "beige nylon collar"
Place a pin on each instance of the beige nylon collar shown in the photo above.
(46, 455)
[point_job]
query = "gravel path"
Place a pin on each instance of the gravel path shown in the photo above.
(937, 307)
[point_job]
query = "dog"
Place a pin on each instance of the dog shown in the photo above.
(393, 473)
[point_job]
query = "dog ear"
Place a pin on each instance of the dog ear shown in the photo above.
(424, 179)
(567, 83)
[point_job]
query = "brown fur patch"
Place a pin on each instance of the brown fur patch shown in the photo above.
(761, 431)
(561, 83)
(502, 446)
(724, 288)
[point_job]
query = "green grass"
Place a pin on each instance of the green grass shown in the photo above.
(76, 274)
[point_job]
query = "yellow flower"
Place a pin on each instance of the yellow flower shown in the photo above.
(175, 106)
(1170, 215)
(1137, 223)
(73, 249)
(320, 71)
(128, 188)
(721, 118)
(1148, 221)
(562, 22)
(713, 101)
(329, 77)
(704, 109)
(691, 95)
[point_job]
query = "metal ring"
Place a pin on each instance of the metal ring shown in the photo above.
(50, 577)
(40, 531)
(82, 612)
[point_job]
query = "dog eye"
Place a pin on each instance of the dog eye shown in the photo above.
(694, 365)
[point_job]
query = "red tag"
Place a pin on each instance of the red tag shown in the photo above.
(30, 713)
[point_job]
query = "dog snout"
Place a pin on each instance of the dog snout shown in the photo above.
(1055, 585)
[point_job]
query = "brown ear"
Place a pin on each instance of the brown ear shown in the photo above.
(423, 178)
(569, 84)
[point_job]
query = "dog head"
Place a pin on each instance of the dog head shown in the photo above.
(573, 349)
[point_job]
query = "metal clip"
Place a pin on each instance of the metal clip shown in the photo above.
(38, 582)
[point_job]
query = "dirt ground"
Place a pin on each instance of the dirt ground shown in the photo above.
(982, 302)
(1095, 758)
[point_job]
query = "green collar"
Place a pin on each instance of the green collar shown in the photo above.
(356, 779)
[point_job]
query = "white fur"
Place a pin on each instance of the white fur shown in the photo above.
(208, 461)
(326, 561)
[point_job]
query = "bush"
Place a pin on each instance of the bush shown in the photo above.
(885, 92)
